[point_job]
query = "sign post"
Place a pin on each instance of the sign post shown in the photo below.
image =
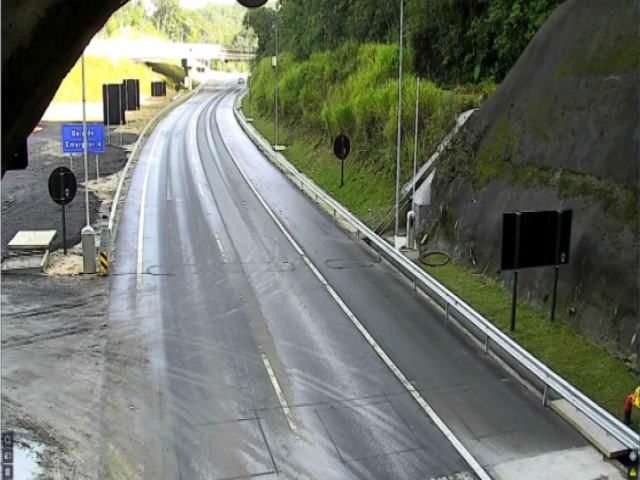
(341, 148)
(516, 261)
(87, 234)
(62, 189)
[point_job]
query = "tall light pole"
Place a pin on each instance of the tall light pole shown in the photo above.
(276, 72)
(415, 146)
(86, 234)
(398, 153)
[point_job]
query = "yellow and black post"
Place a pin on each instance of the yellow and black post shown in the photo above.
(103, 255)
(104, 262)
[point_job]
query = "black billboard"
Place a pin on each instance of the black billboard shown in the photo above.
(535, 239)
(131, 94)
(113, 104)
(158, 89)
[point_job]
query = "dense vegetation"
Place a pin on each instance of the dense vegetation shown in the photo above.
(210, 24)
(354, 90)
(453, 41)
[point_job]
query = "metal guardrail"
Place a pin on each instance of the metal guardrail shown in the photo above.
(135, 153)
(453, 305)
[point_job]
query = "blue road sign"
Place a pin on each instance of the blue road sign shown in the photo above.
(72, 138)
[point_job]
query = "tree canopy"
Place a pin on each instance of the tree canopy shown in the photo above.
(453, 41)
(210, 24)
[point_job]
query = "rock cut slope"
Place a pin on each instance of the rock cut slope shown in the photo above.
(561, 132)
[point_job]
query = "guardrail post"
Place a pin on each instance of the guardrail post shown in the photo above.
(486, 343)
(446, 310)
(545, 395)
(414, 283)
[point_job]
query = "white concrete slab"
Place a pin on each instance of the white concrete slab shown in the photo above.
(32, 240)
(604, 442)
(25, 264)
(576, 464)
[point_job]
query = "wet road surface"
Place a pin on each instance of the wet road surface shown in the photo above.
(250, 366)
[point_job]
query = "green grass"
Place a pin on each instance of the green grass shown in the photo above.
(587, 366)
(367, 195)
(99, 71)
(173, 71)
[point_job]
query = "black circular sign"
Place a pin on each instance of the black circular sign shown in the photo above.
(252, 3)
(62, 185)
(341, 146)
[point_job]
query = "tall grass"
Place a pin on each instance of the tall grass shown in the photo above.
(354, 90)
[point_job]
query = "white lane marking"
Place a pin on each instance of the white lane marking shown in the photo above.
(143, 203)
(221, 248)
(279, 393)
(446, 431)
(201, 192)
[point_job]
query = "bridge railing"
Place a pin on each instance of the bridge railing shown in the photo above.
(493, 338)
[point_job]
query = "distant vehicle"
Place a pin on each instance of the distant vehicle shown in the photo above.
(241, 80)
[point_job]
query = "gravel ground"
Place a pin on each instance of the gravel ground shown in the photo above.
(53, 342)
(54, 325)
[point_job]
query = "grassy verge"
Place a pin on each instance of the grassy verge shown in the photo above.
(367, 195)
(590, 368)
(172, 71)
(99, 71)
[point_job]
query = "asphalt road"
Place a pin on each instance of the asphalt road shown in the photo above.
(229, 357)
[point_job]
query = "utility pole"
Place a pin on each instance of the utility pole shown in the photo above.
(276, 145)
(399, 146)
(87, 234)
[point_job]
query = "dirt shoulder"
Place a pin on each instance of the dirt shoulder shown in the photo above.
(54, 330)
(54, 325)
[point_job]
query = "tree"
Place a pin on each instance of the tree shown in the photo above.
(262, 22)
(168, 17)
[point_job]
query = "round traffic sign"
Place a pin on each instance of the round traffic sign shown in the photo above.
(341, 146)
(62, 185)
(252, 3)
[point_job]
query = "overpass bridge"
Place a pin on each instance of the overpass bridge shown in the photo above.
(156, 48)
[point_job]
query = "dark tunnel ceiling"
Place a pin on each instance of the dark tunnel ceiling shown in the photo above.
(41, 41)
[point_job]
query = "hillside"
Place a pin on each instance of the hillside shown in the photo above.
(359, 98)
(560, 132)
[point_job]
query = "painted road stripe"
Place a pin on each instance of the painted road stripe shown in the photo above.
(446, 431)
(143, 203)
(221, 248)
(279, 393)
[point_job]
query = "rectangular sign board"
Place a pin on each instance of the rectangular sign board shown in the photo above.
(158, 89)
(131, 88)
(113, 104)
(72, 138)
(535, 239)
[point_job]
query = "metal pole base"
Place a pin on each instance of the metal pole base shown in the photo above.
(88, 249)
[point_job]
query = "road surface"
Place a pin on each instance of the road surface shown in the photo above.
(230, 357)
